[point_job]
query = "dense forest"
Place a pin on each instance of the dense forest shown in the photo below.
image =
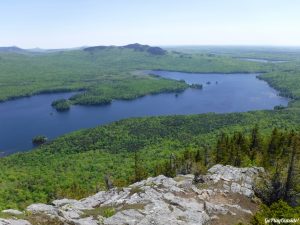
(74, 165)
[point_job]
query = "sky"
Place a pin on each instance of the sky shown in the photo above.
(74, 23)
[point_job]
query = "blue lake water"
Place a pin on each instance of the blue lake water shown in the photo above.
(24, 118)
(262, 60)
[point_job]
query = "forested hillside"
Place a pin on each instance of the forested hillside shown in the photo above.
(74, 165)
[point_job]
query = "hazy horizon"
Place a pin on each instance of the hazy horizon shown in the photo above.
(164, 46)
(69, 24)
(187, 46)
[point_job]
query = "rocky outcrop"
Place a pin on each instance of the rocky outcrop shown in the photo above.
(223, 196)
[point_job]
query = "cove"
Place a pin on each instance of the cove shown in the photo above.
(24, 118)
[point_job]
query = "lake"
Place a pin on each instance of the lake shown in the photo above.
(24, 118)
(263, 60)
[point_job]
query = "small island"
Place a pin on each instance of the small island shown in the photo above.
(61, 105)
(279, 107)
(196, 86)
(40, 139)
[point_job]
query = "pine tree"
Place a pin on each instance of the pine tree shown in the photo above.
(198, 156)
(241, 143)
(139, 171)
(240, 148)
(172, 164)
(277, 186)
(159, 169)
(293, 174)
(136, 167)
(231, 152)
(221, 148)
(237, 158)
(255, 143)
(205, 156)
(273, 147)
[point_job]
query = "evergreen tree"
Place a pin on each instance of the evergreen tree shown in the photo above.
(198, 156)
(205, 156)
(255, 143)
(139, 171)
(291, 194)
(172, 165)
(237, 158)
(277, 186)
(231, 152)
(221, 148)
(273, 147)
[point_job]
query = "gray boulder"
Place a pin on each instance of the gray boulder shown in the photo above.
(42, 209)
(14, 222)
(12, 212)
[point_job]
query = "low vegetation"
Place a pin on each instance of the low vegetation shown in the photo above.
(278, 210)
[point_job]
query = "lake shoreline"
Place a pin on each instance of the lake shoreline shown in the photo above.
(221, 93)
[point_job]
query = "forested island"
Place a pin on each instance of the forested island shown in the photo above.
(40, 139)
(61, 105)
(196, 86)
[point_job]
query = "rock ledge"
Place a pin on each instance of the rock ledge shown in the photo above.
(224, 195)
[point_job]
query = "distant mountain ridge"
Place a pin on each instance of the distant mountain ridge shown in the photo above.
(12, 49)
(135, 47)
